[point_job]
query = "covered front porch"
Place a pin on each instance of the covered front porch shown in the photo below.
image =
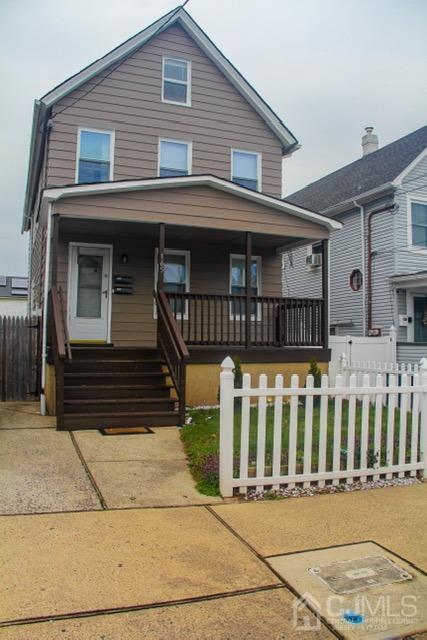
(223, 288)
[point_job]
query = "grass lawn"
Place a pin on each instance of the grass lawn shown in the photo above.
(201, 440)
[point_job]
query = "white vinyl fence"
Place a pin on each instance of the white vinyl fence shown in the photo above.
(372, 368)
(362, 348)
(307, 435)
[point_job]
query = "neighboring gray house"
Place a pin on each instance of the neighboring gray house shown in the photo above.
(378, 261)
(13, 296)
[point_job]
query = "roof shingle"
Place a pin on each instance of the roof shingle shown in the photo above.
(369, 172)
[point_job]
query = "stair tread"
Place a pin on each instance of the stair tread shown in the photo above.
(116, 360)
(117, 400)
(113, 374)
(128, 414)
(141, 387)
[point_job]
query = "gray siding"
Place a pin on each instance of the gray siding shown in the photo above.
(415, 184)
(411, 352)
(345, 255)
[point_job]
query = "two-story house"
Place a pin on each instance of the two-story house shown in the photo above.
(378, 260)
(157, 225)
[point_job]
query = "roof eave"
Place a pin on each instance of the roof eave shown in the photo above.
(36, 149)
(359, 199)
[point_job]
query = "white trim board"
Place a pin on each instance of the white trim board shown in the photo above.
(57, 193)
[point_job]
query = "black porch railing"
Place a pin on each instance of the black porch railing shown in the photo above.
(220, 319)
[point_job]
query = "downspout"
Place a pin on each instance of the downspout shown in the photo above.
(362, 247)
(45, 307)
(387, 207)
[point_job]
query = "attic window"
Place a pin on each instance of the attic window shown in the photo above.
(176, 81)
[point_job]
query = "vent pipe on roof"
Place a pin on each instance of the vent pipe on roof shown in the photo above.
(369, 141)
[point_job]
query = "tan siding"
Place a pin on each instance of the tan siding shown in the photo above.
(192, 206)
(132, 321)
(127, 100)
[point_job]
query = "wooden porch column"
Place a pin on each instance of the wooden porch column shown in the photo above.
(161, 257)
(55, 250)
(248, 287)
(325, 292)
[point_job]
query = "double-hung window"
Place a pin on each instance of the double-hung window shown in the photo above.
(419, 224)
(94, 156)
(176, 81)
(246, 169)
(238, 283)
(174, 158)
(176, 278)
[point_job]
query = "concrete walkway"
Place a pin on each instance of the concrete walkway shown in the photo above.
(44, 470)
(101, 572)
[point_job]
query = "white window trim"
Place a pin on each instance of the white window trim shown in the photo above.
(410, 199)
(187, 82)
(258, 154)
(410, 311)
(176, 252)
(259, 280)
(112, 135)
(189, 144)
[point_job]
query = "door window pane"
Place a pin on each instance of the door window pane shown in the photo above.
(94, 159)
(173, 158)
(420, 319)
(89, 286)
(175, 278)
(245, 169)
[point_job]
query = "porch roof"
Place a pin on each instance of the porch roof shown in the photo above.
(214, 203)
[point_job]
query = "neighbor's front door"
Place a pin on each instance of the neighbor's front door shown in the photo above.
(89, 293)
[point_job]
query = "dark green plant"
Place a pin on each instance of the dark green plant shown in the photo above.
(238, 379)
(317, 377)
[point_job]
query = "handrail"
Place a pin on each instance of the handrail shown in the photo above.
(173, 348)
(58, 330)
(165, 311)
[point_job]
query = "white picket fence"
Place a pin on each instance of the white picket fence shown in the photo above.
(360, 367)
(365, 451)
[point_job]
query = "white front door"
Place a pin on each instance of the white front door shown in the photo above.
(89, 293)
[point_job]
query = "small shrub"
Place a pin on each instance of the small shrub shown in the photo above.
(317, 378)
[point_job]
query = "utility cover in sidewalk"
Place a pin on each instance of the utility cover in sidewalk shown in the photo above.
(362, 590)
(349, 576)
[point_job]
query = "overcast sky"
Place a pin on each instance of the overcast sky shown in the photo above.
(327, 67)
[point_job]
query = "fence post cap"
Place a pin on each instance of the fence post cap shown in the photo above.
(227, 364)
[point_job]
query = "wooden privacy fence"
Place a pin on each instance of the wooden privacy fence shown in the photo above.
(19, 352)
(278, 437)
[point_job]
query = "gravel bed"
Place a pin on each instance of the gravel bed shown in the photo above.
(300, 492)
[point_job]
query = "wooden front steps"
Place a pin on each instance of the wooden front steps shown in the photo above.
(116, 387)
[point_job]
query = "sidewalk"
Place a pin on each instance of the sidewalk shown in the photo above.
(190, 571)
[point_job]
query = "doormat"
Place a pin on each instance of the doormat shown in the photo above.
(124, 431)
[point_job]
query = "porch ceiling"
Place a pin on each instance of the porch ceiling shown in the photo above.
(174, 233)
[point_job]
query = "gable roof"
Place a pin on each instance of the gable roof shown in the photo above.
(176, 16)
(98, 188)
(377, 169)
